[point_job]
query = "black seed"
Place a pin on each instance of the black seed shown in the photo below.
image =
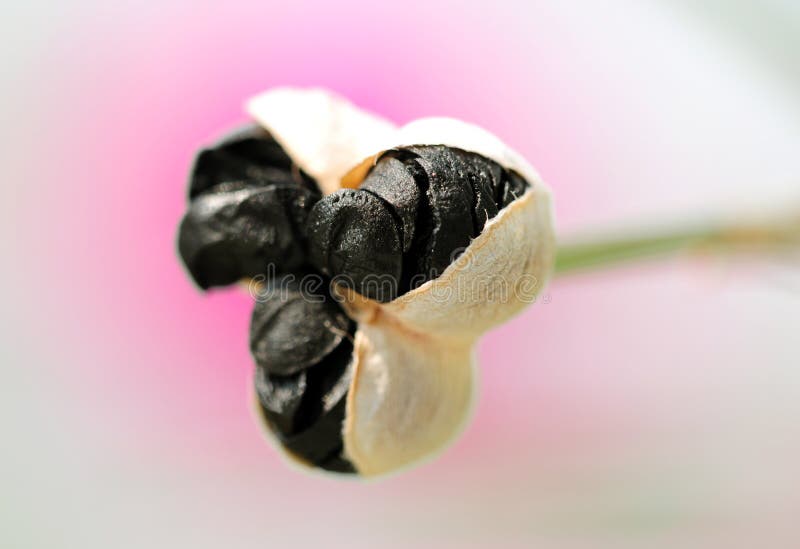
(237, 233)
(451, 208)
(295, 324)
(248, 155)
(353, 236)
(414, 259)
(477, 170)
(392, 181)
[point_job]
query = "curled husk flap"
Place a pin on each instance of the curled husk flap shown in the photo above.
(414, 378)
(323, 133)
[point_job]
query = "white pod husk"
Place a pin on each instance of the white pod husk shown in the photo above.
(414, 367)
(323, 133)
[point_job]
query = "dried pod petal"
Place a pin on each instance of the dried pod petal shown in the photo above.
(238, 233)
(295, 325)
(410, 397)
(468, 137)
(248, 155)
(499, 274)
(323, 133)
(354, 236)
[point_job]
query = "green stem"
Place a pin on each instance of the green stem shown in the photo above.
(759, 238)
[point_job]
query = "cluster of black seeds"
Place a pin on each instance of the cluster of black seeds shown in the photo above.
(414, 213)
(247, 216)
(248, 208)
(302, 343)
(253, 212)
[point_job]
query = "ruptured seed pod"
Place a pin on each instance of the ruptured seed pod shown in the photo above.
(411, 382)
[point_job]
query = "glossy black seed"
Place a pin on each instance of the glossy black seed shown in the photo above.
(392, 181)
(248, 155)
(295, 324)
(237, 233)
(451, 199)
(354, 237)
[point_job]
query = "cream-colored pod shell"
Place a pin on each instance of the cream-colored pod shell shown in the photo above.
(411, 394)
(323, 133)
(414, 366)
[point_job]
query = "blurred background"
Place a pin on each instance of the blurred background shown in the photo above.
(656, 405)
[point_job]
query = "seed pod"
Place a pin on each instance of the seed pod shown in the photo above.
(413, 361)
(240, 230)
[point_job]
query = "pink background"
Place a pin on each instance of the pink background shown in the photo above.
(649, 406)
